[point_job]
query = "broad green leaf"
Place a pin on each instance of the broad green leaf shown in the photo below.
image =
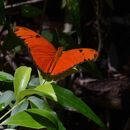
(6, 77)
(34, 118)
(34, 82)
(28, 92)
(64, 97)
(67, 99)
(47, 89)
(42, 90)
(6, 98)
(30, 11)
(21, 79)
(38, 102)
(51, 116)
(23, 106)
(23, 119)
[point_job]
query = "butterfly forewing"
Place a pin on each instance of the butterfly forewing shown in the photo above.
(41, 50)
(73, 57)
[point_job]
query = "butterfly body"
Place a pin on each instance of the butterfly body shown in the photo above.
(52, 65)
(49, 59)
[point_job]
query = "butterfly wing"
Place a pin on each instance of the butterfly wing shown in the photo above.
(70, 58)
(42, 50)
(47, 58)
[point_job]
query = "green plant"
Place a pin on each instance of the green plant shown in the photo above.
(30, 102)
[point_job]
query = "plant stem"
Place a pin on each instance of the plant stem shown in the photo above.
(10, 110)
(22, 3)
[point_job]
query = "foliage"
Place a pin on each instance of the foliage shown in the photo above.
(32, 104)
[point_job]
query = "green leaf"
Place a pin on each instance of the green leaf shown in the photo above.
(6, 98)
(67, 99)
(30, 11)
(47, 89)
(45, 113)
(2, 13)
(34, 118)
(23, 119)
(64, 97)
(38, 102)
(48, 35)
(23, 106)
(28, 92)
(34, 82)
(6, 77)
(42, 90)
(21, 79)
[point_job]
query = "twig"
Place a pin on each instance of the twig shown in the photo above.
(9, 60)
(10, 111)
(22, 3)
(98, 15)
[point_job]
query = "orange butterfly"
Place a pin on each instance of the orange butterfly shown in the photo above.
(49, 59)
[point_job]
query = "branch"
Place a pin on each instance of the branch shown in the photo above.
(98, 18)
(22, 3)
(11, 63)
